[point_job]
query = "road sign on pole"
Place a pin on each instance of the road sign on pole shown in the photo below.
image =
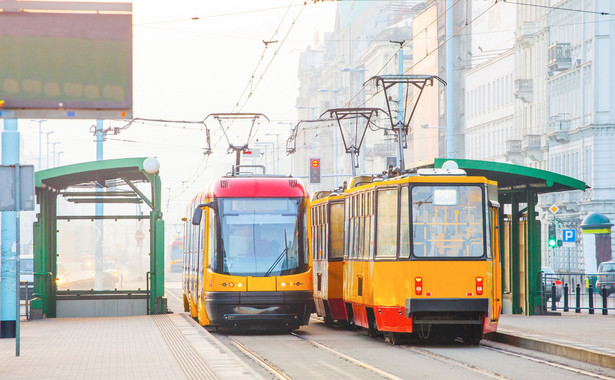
(569, 237)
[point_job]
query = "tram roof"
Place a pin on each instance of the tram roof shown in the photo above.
(515, 177)
(92, 174)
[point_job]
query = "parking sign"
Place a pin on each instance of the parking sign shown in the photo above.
(569, 237)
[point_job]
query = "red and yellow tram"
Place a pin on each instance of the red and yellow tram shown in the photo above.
(247, 255)
(420, 255)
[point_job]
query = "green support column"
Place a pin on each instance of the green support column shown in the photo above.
(515, 257)
(156, 247)
(533, 256)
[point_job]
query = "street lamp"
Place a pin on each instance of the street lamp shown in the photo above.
(47, 160)
(290, 130)
(40, 138)
(308, 107)
(59, 153)
(53, 155)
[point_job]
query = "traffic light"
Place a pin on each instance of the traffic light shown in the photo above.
(552, 238)
(314, 170)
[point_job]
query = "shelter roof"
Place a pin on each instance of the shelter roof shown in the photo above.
(513, 177)
(92, 174)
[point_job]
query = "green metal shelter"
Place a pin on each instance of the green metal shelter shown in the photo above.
(96, 182)
(519, 185)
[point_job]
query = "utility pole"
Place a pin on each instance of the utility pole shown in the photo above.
(450, 50)
(400, 107)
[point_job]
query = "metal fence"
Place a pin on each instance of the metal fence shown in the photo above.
(578, 292)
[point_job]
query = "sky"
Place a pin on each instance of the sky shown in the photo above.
(186, 69)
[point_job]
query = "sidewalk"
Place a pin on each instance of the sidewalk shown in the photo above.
(584, 337)
(166, 346)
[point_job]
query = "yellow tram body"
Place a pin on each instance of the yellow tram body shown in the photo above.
(420, 255)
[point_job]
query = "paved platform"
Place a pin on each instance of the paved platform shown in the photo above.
(584, 337)
(170, 346)
(173, 346)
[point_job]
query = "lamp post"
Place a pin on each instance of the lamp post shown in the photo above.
(47, 159)
(59, 153)
(313, 130)
(290, 131)
(40, 138)
(334, 91)
(53, 155)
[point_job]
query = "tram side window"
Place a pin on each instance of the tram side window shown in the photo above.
(386, 230)
(404, 224)
(336, 224)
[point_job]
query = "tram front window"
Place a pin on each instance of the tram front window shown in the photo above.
(260, 236)
(447, 222)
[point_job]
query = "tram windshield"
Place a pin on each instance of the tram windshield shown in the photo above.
(261, 236)
(447, 221)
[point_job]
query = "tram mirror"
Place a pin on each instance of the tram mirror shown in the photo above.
(445, 197)
(198, 212)
(196, 217)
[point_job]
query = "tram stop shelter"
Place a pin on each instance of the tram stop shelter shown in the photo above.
(520, 234)
(76, 193)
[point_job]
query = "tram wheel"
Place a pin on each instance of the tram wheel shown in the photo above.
(472, 336)
(328, 320)
(372, 330)
(393, 338)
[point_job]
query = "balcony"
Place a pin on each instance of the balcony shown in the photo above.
(531, 147)
(559, 57)
(513, 151)
(524, 90)
(558, 128)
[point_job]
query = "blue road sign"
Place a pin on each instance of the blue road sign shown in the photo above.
(569, 236)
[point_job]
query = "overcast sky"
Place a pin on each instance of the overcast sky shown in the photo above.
(185, 69)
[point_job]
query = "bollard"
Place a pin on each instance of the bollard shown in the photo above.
(553, 307)
(578, 308)
(590, 290)
(566, 296)
(605, 311)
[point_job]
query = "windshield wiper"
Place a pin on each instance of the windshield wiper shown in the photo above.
(285, 251)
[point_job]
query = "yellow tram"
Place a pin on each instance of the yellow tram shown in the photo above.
(420, 255)
(247, 262)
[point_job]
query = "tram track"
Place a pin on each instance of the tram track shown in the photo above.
(548, 362)
(280, 374)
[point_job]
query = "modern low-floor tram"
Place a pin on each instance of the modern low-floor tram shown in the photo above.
(247, 258)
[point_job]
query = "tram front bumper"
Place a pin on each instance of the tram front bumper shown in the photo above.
(447, 310)
(242, 308)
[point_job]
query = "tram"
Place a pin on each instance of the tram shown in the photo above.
(420, 255)
(176, 254)
(247, 255)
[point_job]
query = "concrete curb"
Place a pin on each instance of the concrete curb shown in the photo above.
(559, 349)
